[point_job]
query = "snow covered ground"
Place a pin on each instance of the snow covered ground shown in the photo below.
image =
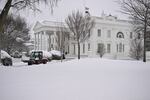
(85, 79)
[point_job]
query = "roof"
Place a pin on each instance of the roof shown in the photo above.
(49, 24)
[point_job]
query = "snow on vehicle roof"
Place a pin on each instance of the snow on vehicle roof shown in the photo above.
(45, 53)
(55, 52)
(4, 54)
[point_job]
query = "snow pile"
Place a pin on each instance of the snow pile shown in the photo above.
(4, 55)
(55, 52)
(85, 79)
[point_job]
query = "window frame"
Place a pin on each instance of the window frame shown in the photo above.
(99, 32)
(120, 35)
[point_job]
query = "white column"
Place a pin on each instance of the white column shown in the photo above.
(45, 41)
(35, 41)
(38, 42)
(54, 37)
(41, 41)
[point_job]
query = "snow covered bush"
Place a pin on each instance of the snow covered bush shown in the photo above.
(6, 58)
(4, 55)
(136, 49)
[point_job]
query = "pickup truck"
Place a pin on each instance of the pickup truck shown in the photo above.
(38, 57)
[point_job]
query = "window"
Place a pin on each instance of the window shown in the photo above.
(123, 47)
(99, 32)
(131, 35)
(89, 47)
(109, 33)
(68, 49)
(120, 35)
(108, 48)
(38, 41)
(52, 47)
(100, 47)
(120, 47)
(74, 49)
(117, 47)
(83, 48)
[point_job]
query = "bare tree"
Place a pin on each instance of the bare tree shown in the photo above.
(21, 4)
(62, 38)
(80, 26)
(139, 11)
(136, 47)
(101, 49)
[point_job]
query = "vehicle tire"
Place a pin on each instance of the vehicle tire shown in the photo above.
(29, 63)
(37, 62)
(44, 62)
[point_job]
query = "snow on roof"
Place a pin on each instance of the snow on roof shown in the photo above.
(28, 44)
(45, 53)
(18, 39)
(55, 52)
(4, 54)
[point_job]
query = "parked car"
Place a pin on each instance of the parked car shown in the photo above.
(38, 57)
(25, 57)
(6, 58)
(16, 54)
(56, 55)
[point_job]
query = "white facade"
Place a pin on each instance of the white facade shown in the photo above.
(45, 36)
(115, 34)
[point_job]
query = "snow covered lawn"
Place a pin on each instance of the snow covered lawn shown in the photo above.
(86, 79)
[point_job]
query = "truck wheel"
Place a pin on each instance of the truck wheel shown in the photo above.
(29, 63)
(44, 62)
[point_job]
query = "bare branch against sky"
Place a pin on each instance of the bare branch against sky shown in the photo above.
(66, 6)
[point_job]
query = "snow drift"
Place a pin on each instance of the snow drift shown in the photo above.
(85, 79)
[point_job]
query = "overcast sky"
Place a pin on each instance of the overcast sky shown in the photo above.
(66, 6)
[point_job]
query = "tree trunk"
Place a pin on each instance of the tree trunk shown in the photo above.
(61, 50)
(78, 49)
(145, 30)
(3, 16)
(144, 51)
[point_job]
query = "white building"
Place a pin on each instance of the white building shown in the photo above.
(45, 36)
(114, 33)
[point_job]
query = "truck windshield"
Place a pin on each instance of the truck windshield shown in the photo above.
(36, 55)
